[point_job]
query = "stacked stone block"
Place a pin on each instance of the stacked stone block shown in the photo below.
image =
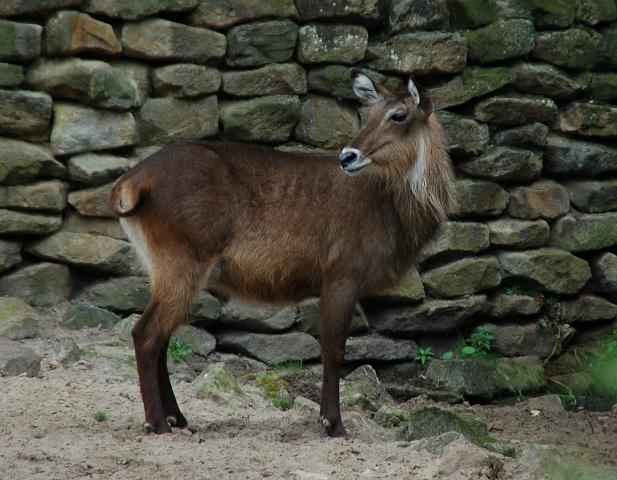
(527, 93)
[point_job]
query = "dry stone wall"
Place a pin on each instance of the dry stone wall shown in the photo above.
(526, 90)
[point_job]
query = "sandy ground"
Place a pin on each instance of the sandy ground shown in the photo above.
(48, 431)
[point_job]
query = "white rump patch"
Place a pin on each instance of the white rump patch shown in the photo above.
(138, 240)
(365, 90)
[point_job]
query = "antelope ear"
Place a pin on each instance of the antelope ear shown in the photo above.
(413, 91)
(426, 103)
(364, 88)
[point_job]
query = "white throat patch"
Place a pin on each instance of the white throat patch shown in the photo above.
(416, 177)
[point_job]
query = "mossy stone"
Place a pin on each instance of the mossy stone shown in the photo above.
(473, 82)
(456, 238)
(589, 119)
(576, 48)
(462, 277)
(276, 390)
(276, 78)
(464, 135)
(500, 40)
(335, 80)
(593, 12)
(325, 43)
(11, 75)
(608, 48)
(83, 315)
(419, 53)
(521, 374)
(265, 119)
(531, 135)
(515, 109)
(389, 417)
(472, 13)
(403, 15)
(122, 356)
(222, 14)
(362, 389)
(19, 41)
(553, 13)
(217, 384)
(14, 222)
(542, 79)
(577, 233)
(503, 164)
(603, 87)
(430, 421)
(17, 319)
(552, 269)
(261, 43)
(473, 378)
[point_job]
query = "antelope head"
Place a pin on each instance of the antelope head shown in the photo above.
(392, 142)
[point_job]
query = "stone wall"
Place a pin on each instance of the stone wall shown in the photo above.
(526, 91)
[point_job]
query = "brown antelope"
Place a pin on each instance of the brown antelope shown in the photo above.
(270, 226)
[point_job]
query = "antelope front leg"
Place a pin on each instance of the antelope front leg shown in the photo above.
(336, 308)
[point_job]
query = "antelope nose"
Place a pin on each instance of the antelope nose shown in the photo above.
(347, 157)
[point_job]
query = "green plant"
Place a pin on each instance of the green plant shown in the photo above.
(481, 341)
(602, 367)
(513, 290)
(289, 365)
(425, 355)
(468, 352)
(542, 322)
(179, 352)
(446, 357)
(100, 416)
(282, 403)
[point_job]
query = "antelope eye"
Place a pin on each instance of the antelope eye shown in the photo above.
(398, 117)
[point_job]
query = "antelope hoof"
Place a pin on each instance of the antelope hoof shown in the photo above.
(325, 423)
(158, 429)
(177, 420)
(338, 430)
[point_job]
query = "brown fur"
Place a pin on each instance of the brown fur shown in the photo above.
(255, 223)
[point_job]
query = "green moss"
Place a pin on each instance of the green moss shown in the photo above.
(436, 445)
(575, 48)
(603, 86)
(608, 48)
(430, 421)
(520, 374)
(217, 384)
(471, 13)
(123, 357)
(553, 13)
(74, 355)
(289, 366)
(560, 464)
(275, 389)
(473, 82)
(11, 75)
(8, 34)
(595, 11)
(390, 417)
(501, 40)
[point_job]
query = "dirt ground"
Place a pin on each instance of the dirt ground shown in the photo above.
(48, 430)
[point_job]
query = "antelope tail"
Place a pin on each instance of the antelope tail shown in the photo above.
(127, 195)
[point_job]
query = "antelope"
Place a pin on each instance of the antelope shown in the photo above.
(250, 222)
